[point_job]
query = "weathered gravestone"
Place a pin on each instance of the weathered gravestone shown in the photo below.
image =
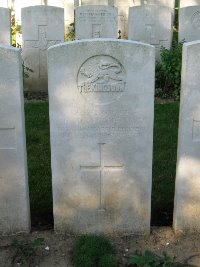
(151, 24)
(101, 96)
(5, 26)
(186, 3)
(189, 23)
(96, 22)
(187, 193)
(42, 27)
(14, 198)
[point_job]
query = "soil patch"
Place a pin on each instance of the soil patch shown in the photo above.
(56, 249)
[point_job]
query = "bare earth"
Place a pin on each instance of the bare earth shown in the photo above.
(57, 248)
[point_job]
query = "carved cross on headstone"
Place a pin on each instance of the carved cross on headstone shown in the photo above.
(42, 44)
(102, 168)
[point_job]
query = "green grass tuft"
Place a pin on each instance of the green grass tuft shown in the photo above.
(93, 251)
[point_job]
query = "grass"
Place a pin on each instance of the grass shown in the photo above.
(164, 162)
(39, 164)
(164, 165)
(92, 250)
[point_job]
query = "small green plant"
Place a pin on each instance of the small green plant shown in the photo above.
(93, 251)
(149, 259)
(168, 72)
(26, 251)
(26, 71)
(70, 36)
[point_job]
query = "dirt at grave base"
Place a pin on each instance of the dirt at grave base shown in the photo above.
(57, 248)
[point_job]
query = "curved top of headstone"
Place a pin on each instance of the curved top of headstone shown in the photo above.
(41, 7)
(8, 47)
(100, 40)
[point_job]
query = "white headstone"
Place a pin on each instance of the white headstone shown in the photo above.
(5, 26)
(187, 193)
(14, 197)
(42, 27)
(101, 95)
(189, 23)
(151, 24)
(96, 22)
(186, 3)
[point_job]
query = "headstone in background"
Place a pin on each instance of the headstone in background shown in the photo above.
(5, 26)
(96, 22)
(189, 23)
(186, 3)
(151, 24)
(42, 27)
(187, 192)
(14, 196)
(101, 95)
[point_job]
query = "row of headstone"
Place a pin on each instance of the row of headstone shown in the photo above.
(92, 21)
(43, 26)
(150, 24)
(101, 96)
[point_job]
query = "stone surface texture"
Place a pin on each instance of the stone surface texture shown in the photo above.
(151, 24)
(101, 95)
(42, 27)
(189, 23)
(187, 192)
(186, 3)
(14, 196)
(96, 22)
(5, 26)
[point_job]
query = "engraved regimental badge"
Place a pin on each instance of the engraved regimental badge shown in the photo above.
(101, 80)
